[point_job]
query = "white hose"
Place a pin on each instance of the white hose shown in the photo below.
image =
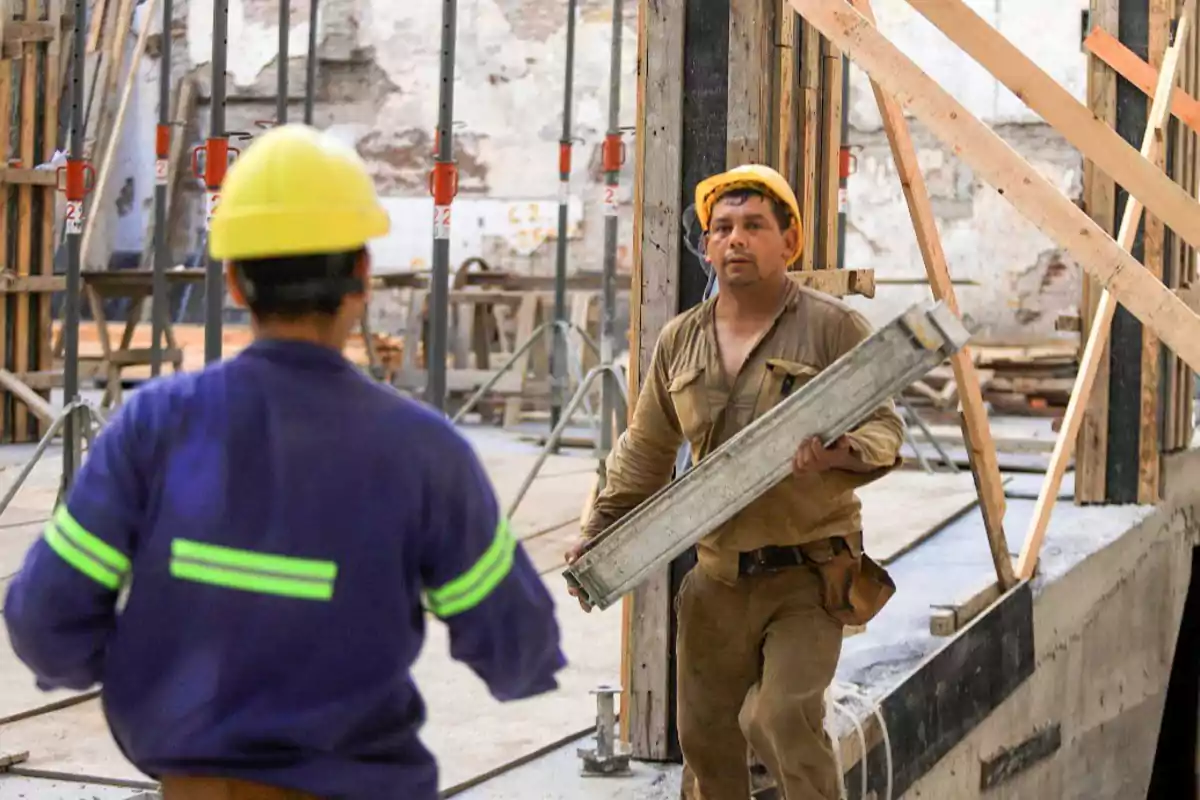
(849, 691)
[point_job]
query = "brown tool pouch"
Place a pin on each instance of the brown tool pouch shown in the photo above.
(854, 587)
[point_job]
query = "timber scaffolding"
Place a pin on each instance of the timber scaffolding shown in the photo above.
(723, 82)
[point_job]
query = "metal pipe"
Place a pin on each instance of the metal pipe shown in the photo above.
(443, 185)
(613, 158)
(76, 188)
(310, 78)
(558, 350)
(285, 26)
(843, 165)
(216, 161)
(162, 152)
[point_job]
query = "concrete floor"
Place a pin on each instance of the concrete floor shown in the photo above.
(947, 566)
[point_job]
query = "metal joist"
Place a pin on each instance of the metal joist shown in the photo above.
(759, 456)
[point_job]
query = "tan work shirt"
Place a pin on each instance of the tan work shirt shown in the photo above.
(686, 393)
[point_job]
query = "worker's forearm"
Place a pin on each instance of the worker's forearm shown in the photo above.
(876, 443)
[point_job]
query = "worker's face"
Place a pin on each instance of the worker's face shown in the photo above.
(745, 244)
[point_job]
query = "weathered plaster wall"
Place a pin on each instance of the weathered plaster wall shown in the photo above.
(1024, 280)
(378, 88)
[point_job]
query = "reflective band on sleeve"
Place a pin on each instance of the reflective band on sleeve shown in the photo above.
(473, 586)
(85, 551)
(287, 576)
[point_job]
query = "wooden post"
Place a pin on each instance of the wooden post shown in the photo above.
(977, 435)
(648, 685)
(1100, 202)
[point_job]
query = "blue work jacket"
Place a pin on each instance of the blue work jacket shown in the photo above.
(277, 528)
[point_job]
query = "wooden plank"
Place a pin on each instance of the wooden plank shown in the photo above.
(24, 258)
(751, 50)
(653, 303)
(831, 143)
(1100, 199)
(976, 432)
(1021, 184)
(949, 619)
(1151, 144)
(1157, 192)
(36, 404)
(1155, 234)
(1107, 48)
(7, 196)
(50, 123)
(787, 51)
(810, 150)
(22, 176)
(837, 282)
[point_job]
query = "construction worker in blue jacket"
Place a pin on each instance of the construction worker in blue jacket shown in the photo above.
(276, 525)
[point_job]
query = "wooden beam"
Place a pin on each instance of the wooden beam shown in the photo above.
(829, 182)
(1100, 203)
(977, 434)
(1096, 140)
(1106, 47)
(810, 150)
(1152, 143)
(788, 25)
(751, 52)
(1154, 251)
(653, 303)
(994, 161)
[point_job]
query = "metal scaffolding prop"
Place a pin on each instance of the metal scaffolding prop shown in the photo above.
(558, 351)
(162, 153)
(310, 73)
(78, 172)
(443, 185)
(216, 162)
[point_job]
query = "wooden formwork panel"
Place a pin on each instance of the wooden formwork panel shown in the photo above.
(30, 93)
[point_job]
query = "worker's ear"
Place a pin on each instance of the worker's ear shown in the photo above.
(791, 237)
(362, 271)
(234, 286)
(704, 246)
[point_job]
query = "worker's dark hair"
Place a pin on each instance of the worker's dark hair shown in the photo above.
(783, 215)
(289, 287)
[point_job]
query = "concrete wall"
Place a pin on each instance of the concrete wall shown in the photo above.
(1105, 638)
(378, 88)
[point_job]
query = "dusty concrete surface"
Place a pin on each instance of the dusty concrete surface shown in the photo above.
(1105, 630)
(377, 88)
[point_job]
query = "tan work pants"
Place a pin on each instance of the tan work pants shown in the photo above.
(754, 661)
(195, 788)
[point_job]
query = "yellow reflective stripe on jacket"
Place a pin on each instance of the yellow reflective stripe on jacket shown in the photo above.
(473, 586)
(246, 570)
(85, 551)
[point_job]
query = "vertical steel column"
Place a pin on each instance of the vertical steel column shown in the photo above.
(558, 352)
(843, 165)
(443, 185)
(285, 24)
(162, 151)
(613, 158)
(215, 163)
(310, 78)
(77, 172)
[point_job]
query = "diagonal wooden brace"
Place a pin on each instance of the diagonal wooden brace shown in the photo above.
(994, 161)
(1097, 340)
(977, 435)
(1078, 125)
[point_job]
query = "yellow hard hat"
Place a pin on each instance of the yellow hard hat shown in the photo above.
(295, 191)
(748, 176)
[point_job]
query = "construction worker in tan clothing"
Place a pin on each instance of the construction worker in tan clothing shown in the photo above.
(761, 617)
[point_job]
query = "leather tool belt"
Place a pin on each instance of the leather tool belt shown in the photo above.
(853, 587)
